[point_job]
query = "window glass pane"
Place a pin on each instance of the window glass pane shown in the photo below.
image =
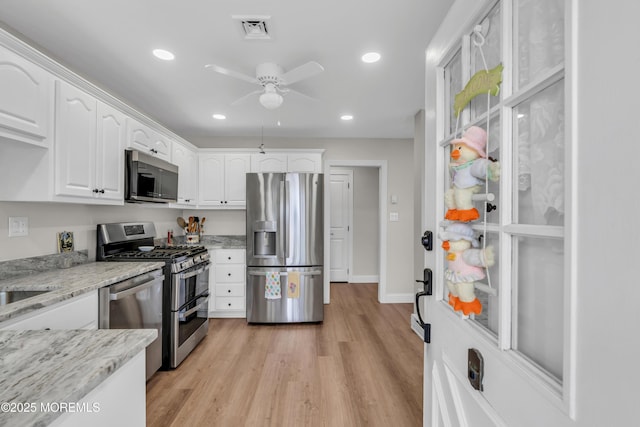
(489, 316)
(453, 85)
(493, 152)
(539, 44)
(539, 158)
(491, 49)
(538, 301)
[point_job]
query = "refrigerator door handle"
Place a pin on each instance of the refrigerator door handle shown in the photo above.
(285, 273)
(282, 223)
(287, 220)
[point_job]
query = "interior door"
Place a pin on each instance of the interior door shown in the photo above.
(512, 364)
(341, 214)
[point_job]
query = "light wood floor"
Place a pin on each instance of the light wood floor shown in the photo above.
(361, 367)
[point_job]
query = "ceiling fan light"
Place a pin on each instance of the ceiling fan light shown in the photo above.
(271, 100)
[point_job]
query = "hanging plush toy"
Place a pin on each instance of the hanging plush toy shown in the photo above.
(469, 167)
(465, 266)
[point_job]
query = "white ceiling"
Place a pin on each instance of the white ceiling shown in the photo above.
(110, 44)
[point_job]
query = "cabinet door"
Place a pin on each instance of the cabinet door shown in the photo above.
(236, 168)
(110, 145)
(139, 136)
(187, 162)
(75, 142)
(161, 146)
(268, 163)
(211, 182)
(25, 103)
(304, 162)
(77, 313)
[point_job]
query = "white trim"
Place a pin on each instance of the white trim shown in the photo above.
(349, 174)
(382, 229)
(404, 298)
(363, 278)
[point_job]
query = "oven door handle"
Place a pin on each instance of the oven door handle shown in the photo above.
(194, 273)
(134, 290)
(183, 316)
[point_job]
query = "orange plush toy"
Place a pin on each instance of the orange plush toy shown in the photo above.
(469, 167)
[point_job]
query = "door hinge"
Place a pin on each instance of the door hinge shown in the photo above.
(348, 228)
(348, 185)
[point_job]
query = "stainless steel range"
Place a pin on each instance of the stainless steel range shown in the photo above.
(186, 285)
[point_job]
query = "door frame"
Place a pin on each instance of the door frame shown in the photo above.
(349, 172)
(381, 165)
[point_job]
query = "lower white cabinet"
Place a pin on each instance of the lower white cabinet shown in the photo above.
(121, 399)
(80, 312)
(227, 283)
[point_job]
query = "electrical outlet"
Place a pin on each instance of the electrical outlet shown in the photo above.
(18, 226)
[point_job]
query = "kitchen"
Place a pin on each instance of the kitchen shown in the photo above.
(45, 201)
(594, 330)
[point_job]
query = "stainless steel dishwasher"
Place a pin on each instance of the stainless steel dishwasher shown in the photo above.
(135, 303)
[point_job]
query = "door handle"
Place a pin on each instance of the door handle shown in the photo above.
(427, 290)
(135, 289)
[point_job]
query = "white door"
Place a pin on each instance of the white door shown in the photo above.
(341, 203)
(111, 135)
(75, 141)
(524, 334)
(236, 167)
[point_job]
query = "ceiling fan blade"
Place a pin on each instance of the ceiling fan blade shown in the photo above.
(302, 72)
(231, 73)
(245, 97)
(289, 90)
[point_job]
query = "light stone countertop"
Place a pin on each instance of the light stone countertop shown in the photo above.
(40, 367)
(68, 283)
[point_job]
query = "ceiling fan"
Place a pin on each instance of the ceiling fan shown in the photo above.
(273, 80)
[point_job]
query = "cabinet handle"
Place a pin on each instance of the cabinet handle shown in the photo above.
(225, 202)
(229, 304)
(95, 190)
(229, 274)
(221, 202)
(229, 258)
(102, 191)
(228, 290)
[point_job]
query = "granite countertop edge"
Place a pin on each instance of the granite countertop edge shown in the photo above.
(68, 283)
(36, 371)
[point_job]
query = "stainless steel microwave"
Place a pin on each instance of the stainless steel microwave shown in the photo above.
(149, 179)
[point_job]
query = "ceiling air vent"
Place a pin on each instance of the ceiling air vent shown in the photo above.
(254, 27)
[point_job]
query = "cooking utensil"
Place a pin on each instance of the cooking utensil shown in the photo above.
(190, 226)
(181, 222)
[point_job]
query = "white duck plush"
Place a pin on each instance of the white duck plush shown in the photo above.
(465, 266)
(469, 168)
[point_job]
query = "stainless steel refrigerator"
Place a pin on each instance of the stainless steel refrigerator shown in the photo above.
(285, 248)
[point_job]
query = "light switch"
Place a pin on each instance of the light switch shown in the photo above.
(393, 216)
(394, 199)
(18, 226)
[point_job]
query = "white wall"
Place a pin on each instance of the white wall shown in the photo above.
(46, 219)
(365, 222)
(399, 155)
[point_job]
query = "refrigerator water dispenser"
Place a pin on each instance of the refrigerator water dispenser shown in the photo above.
(264, 238)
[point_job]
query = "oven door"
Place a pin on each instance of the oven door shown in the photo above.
(189, 314)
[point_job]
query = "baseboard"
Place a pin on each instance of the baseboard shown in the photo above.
(415, 326)
(364, 279)
(399, 298)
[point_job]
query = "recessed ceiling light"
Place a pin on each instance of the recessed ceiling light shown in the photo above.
(219, 116)
(371, 57)
(163, 54)
(346, 117)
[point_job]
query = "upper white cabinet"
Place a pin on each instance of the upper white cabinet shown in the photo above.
(222, 181)
(287, 161)
(310, 162)
(142, 138)
(187, 161)
(270, 162)
(89, 146)
(25, 100)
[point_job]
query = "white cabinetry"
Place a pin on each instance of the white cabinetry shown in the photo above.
(227, 283)
(269, 162)
(26, 103)
(89, 146)
(80, 312)
(187, 161)
(222, 181)
(122, 400)
(142, 138)
(288, 161)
